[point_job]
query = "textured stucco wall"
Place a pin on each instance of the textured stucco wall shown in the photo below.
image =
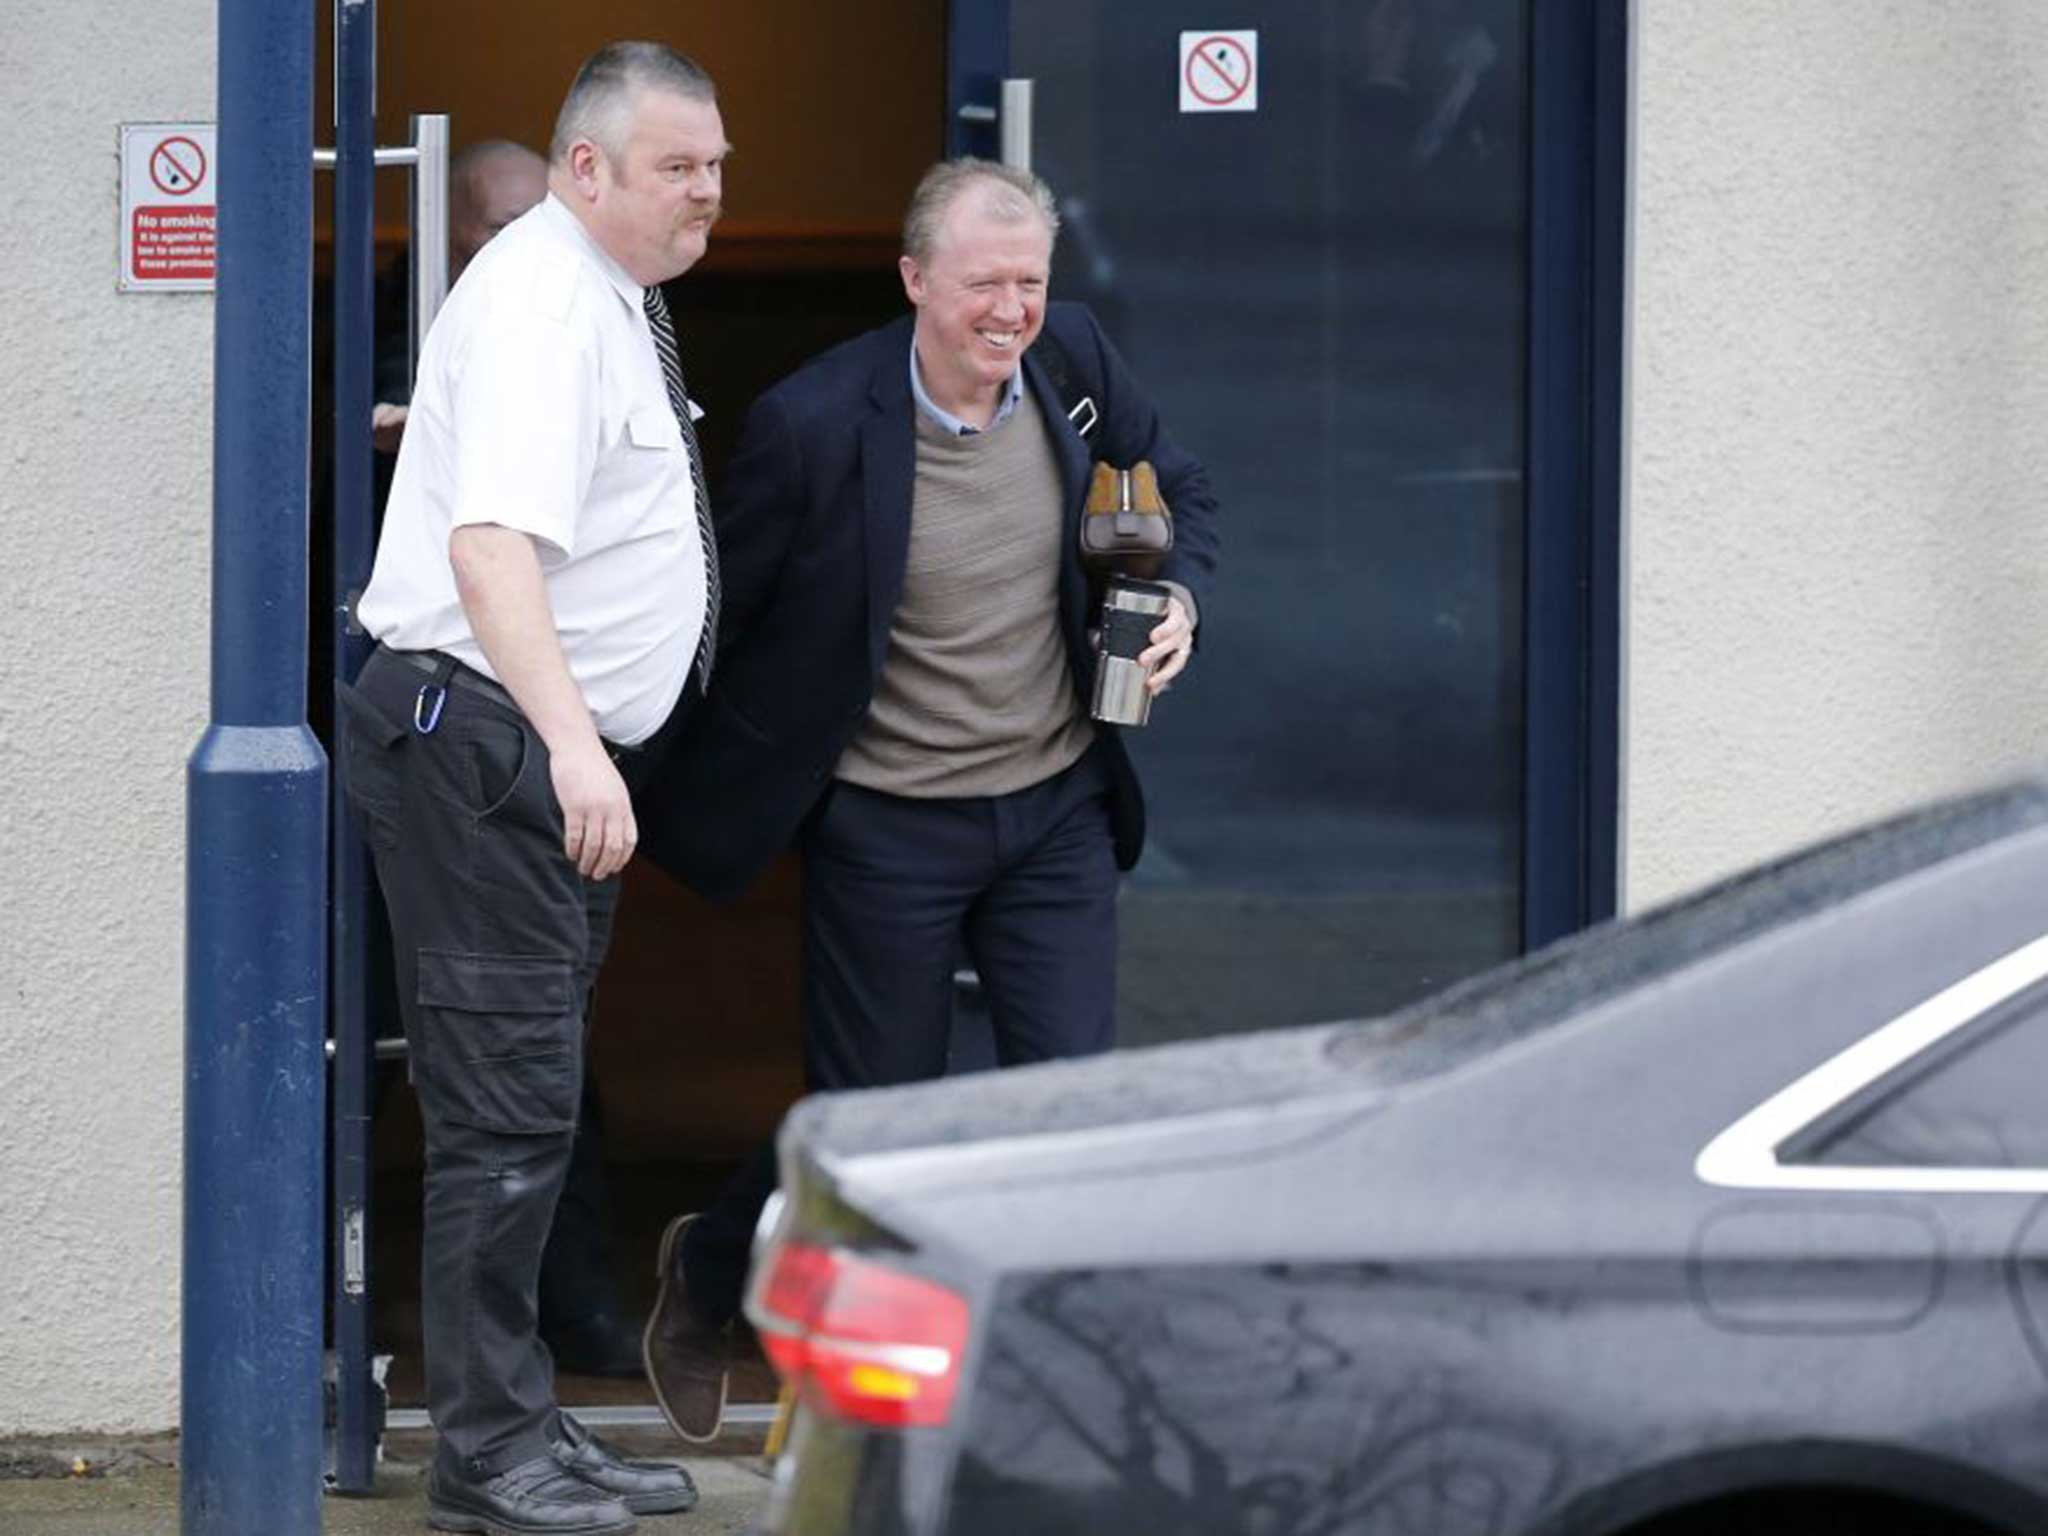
(105, 473)
(1838, 590)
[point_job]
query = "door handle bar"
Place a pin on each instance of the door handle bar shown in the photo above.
(1014, 129)
(429, 224)
(1013, 120)
(390, 154)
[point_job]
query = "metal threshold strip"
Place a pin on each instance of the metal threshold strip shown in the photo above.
(624, 1416)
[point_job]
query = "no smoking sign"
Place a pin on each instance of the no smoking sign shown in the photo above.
(1219, 71)
(177, 165)
(167, 207)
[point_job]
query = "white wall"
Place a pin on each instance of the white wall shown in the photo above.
(105, 474)
(1838, 589)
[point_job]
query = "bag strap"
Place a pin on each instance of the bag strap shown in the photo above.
(1058, 364)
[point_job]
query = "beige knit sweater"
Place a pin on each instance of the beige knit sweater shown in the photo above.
(975, 696)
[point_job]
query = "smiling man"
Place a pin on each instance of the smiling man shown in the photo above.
(902, 693)
(545, 601)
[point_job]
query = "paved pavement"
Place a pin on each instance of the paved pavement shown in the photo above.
(144, 1502)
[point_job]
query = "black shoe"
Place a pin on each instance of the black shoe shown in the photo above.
(599, 1343)
(644, 1487)
(535, 1498)
(686, 1358)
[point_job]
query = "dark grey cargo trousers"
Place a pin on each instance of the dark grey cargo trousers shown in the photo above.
(497, 941)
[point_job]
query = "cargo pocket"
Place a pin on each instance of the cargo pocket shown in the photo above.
(502, 1041)
(370, 742)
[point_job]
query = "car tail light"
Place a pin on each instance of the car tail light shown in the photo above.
(864, 1341)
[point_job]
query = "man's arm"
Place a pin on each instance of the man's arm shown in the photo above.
(1131, 430)
(387, 426)
(525, 435)
(498, 576)
(756, 511)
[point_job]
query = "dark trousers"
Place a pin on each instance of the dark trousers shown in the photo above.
(497, 940)
(894, 889)
(576, 1281)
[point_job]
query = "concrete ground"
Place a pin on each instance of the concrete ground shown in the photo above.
(144, 1502)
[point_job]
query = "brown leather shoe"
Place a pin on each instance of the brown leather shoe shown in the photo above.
(686, 1359)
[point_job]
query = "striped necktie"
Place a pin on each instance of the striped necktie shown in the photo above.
(672, 374)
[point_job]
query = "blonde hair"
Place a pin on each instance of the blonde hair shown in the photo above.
(1013, 196)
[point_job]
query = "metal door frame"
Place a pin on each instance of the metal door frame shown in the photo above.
(353, 1049)
(1578, 186)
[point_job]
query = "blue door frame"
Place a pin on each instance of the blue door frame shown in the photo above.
(1572, 640)
(1578, 185)
(358, 1403)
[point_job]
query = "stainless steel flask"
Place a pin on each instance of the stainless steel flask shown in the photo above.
(1131, 610)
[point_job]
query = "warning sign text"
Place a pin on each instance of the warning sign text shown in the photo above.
(173, 243)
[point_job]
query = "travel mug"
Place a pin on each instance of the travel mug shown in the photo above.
(1131, 610)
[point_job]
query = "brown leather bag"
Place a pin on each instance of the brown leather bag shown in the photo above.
(1126, 527)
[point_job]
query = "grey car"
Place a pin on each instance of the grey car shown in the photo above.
(1729, 1217)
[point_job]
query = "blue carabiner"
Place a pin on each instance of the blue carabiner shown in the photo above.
(426, 716)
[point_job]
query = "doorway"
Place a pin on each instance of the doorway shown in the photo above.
(694, 1051)
(1340, 302)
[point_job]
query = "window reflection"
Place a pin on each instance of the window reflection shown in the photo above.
(1327, 297)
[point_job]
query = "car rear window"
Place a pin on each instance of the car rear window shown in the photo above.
(1517, 1000)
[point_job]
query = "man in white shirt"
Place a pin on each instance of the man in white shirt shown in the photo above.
(545, 598)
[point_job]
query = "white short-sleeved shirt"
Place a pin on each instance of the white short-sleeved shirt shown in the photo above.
(540, 406)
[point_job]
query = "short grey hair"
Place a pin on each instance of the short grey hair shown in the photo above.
(602, 93)
(1013, 195)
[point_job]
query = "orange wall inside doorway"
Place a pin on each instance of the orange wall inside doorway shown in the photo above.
(833, 109)
(834, 112)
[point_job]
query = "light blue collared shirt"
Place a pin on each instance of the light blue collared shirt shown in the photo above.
(954, 426)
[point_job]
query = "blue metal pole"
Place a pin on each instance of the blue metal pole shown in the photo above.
(355, 170)
(256, 841)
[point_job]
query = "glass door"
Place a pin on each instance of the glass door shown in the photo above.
(1308, 232)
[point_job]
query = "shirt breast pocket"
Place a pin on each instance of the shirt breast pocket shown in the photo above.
(654, 427)
(654, 470)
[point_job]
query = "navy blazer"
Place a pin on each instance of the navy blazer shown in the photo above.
(813, 525)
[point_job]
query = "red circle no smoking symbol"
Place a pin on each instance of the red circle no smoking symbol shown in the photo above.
(1219, 70)
(177, 166)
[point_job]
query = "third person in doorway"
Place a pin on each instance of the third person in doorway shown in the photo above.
(490, 184)
(902, 694)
